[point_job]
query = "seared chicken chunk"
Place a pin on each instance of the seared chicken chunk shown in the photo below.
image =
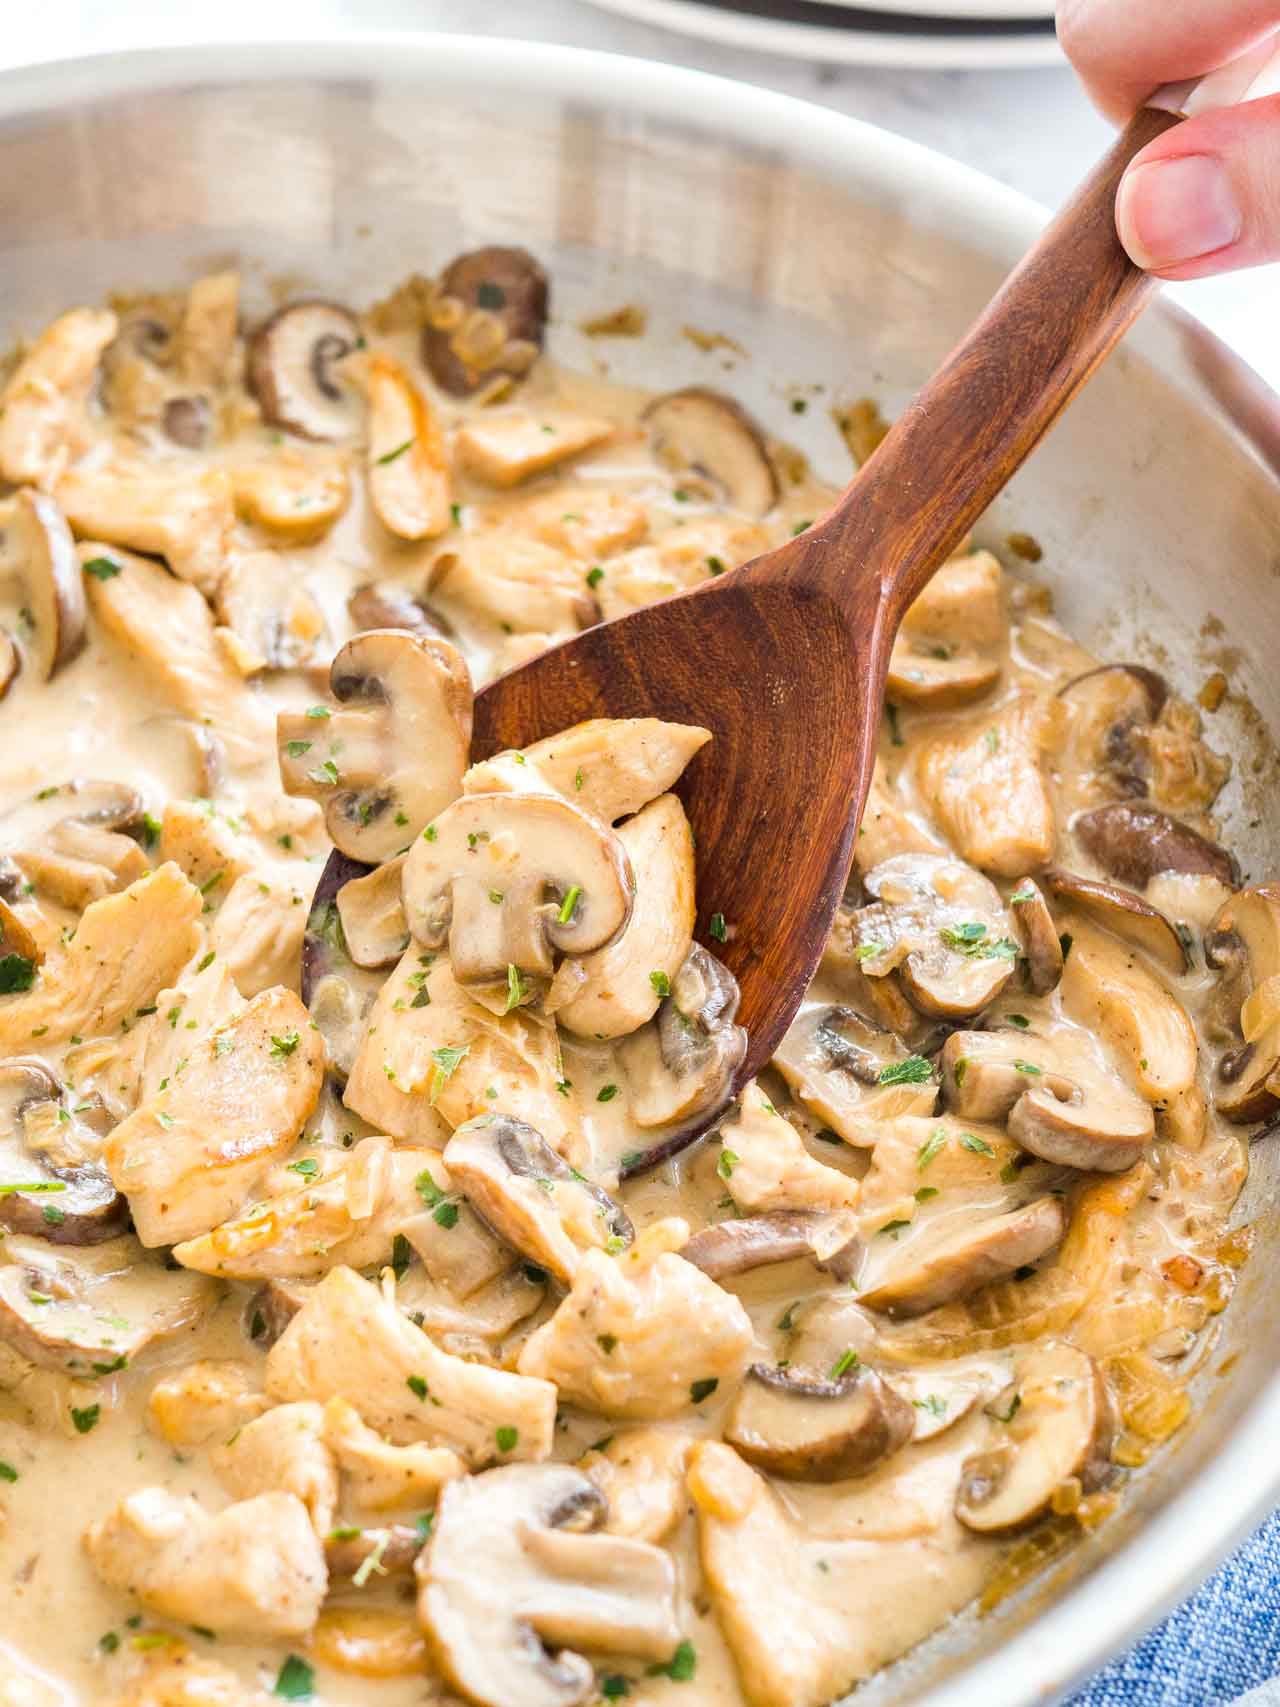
(982, 779)
(205, 1401)
(284, 1450)
(770, 1167)
(42, 409)
(380, 1476)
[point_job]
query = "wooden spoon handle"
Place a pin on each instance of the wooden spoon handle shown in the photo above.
(1056, 317)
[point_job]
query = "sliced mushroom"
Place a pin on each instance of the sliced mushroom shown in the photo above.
(713, 438)
(291, 369)
(272, 1307)
(510, 880)
(934, 1268)
(1123, 912)
(72, 840)
(16, 937)
(811, 1430)
(57, 1194)
(1037, 937)
(503, 450)
(37, 548)
(942, 927)
(681, 1065)
(922, 673)
(187, 421)
(852, 1074)
(408, 471)
(536, 1529)
(1134, 843)
(942, 1395)
(1058, 1424)
(386, 762)
(392, 1548)
(530, 1196)
(487, 320)
(371, 908)
(10, 662)
(1061, 1104)
(275, 620)
(338, 993)
(1108, 712)
(386, 604)
(1245, 944)
(735, 1247)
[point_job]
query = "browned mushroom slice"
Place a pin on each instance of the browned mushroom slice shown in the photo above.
(1134, 843)
(812, 1430)
(16, 937)
(488, 319)
(681, 1064)
(372, 912)
(393, 755)
(1037, 936)
(72, 840)
(54, 1189)
(1123, 912)
(338, 993)
(781, 1235)
(387, 1551)
(851, 1073)
(1057, 1423)
(292, 369)
(924, 674)
(187, 421)
(704, 433)
(37, 548)
(272, 1307)
(939, 1265)
(386, 604)
(1108, 711)
(530, 1196)
(1245, 943)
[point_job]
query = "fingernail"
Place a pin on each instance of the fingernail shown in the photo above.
(1169, 212)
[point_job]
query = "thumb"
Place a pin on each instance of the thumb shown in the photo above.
(1205, 197)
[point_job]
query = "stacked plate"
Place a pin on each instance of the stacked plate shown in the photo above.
(928, 34)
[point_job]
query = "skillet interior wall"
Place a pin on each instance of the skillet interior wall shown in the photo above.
(1157, 522)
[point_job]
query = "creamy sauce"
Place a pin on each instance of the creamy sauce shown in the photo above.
(886, 1557)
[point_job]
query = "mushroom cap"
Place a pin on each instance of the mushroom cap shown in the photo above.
(490, 319)
(836, 1061)
(1123, 912)
(1134, 842)
(37, 546)
(1245, 941)
(810, 1429)
(73, 1201)
(737, 1246)
(932, 1270)
(290, 369)
(511, 879)
(337, 992)
(1107, 709)
(709, 434)
(371, 908)
(680, 1067)
(1037, 936)
(1058, 1423)
(387, 604)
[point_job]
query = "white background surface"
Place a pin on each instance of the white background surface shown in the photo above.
(1032, 129)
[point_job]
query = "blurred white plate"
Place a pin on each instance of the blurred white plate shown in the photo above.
(931, 45)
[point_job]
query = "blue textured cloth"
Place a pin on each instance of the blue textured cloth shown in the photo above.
(1223, 1641)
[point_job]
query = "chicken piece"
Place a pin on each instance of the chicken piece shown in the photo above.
(886, 829)
(296, 496)
(380, 1476)
(187, 1157)
(205, 1401)
(588, 522)
(169, 633)
(520, 584)
(259, 930)
(205, 847)
(638, 1334)
(983, 782)
(206, 337)
(641, 1474)
(42, 408)
(126, 948)
(185, 519)
(172, 1676)
(344, 1206)
(506, 449)
(951, 1160)
(422, 1070)
(283, 1451)
(407, 464)
(678, 559)
(349, 1339)
(771, 1169)
(963, 605)
(1186, 775)
(185, 1014)
(256, 1569)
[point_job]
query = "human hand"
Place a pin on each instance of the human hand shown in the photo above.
(1205, 197)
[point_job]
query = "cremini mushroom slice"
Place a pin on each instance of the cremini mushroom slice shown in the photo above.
(1134, 842)
(51, 1185)
(502, 450)
(256, 1569)
(707, 435)
(681, 1064)
(389, 604)
(1245, 943)
(389, 1550)
(42, 407)
(1123, 912)
(982, 780)
(294, 496)
(948, 650)
(766, 1166)
(337, 992)
(1056, 1424)
(36, 547)
(350, 1338)
(615, 989)
(1102, 752)
(293, 368)
(371, 908)
(93, 1314)
(610, 766)
(640, 1472)
(566, 1584)
(189, 1155)
(71, 841)
(392, 756)
(185, 518)
(408, 471)
(1060, 1101)
(511, 880)
(942, 927)
(1037, 936)
(370, 1641)
(530, 1197)
(729, 1248)
(852, 1074)
(125, 949)
(937, 1267)
(808, 1429)
(514, 583)
(486, 319)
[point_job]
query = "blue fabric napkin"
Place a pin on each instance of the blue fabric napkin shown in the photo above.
(1221, 1642)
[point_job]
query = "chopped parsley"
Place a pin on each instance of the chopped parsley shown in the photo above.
(727, 1163)
(615, 1686)
(717, 929)
(606, 1093)
(565, 915)
(1021, 896)
(507, 1438)
(517, 989)
(979, 1146)
(681, 1666)
(282, 1046)
(417, 1386)
(915, 1070)
(392, 455)
(893, 1228)
(296, 749)
(447, 1060)
(594, 576)
(86, 1419)
(7, 1472)
(318, 711)
(1027, 1067)
(936, 1141)
(327, 772)
(17, 973)
(1020, 1020)
(308, 1167)
(297, 1680)
(661, 984)
(846, 1361)
(102, 568)
(970, 939)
